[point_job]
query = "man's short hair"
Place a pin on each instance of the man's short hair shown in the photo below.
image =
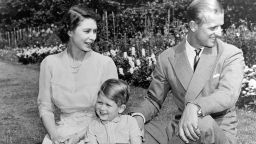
(198, 9)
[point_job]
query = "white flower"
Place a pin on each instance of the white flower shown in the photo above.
(125, 54)
(252, 83)
(138, 63)
(133, 51)
(254, 67)
(237, 34)
(121, 71)
(247, 69)
(131, 70)
(154, 60)
(153, 55)
(48, 30)
(143, 53)
(244, 80)
(113, 52)
(149, 62)
(129, 58)
(149, 78)
(19, 54)
(243, 92)
(107, 53)
(132, 64)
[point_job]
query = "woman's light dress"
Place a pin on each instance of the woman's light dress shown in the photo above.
(73, 92)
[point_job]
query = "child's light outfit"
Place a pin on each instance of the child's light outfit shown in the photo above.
(122, 129)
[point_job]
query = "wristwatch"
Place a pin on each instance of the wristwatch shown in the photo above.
(199, 112)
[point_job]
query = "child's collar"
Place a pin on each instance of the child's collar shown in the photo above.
(115, 120)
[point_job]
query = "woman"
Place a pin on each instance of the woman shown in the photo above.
(71, 79)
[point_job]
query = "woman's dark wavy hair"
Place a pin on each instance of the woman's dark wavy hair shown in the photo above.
(116, 90)
(72, 18)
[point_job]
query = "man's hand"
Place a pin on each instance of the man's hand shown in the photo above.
(140, 122)
(141, 125)
(188, 125)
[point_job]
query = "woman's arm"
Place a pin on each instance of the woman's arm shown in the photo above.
(45, 105)
(49, 124)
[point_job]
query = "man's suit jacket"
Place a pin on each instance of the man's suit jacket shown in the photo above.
(214, 86)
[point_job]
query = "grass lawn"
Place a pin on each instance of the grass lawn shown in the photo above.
(19, 119)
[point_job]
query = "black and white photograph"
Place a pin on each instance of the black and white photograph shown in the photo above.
(127, 71)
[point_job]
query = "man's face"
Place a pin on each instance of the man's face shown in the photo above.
(209, 29)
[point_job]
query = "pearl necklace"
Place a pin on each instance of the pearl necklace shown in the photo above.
(75, 65)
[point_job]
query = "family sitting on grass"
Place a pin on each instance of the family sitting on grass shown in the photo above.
(203, 73)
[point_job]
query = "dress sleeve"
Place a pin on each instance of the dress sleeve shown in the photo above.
(135, 132)
(44, 100)
(110, 70)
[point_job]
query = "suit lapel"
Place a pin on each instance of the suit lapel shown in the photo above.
(202, 74)
(181, 65)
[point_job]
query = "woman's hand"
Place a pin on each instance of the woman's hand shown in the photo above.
(73, 139)
(56, 139)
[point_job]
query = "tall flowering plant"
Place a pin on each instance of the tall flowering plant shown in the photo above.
(134, 69)
(247, 98)
(37, 54)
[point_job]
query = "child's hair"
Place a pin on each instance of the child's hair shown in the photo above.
(116, 90)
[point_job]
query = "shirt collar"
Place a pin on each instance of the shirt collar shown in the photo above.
(189, 48)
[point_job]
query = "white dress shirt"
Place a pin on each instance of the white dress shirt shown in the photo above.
(191, 53)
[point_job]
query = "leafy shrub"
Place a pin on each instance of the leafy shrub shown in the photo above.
(244, 39)
(40, 38)
(247, 99)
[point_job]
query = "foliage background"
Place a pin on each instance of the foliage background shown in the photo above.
(24, 13)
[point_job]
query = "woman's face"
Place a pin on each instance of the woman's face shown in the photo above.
(83, 36)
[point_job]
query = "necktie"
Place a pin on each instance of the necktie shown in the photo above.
(196, 59)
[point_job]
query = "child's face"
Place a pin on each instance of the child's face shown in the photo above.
(107, 109)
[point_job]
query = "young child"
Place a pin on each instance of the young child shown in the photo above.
(110, 127)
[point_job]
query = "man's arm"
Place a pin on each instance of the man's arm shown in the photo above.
(156, 94)
(227, 93)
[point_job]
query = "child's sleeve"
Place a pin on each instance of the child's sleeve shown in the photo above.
(90, 137)
(135, 132)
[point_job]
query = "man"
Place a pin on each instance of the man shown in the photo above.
(204, 75)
